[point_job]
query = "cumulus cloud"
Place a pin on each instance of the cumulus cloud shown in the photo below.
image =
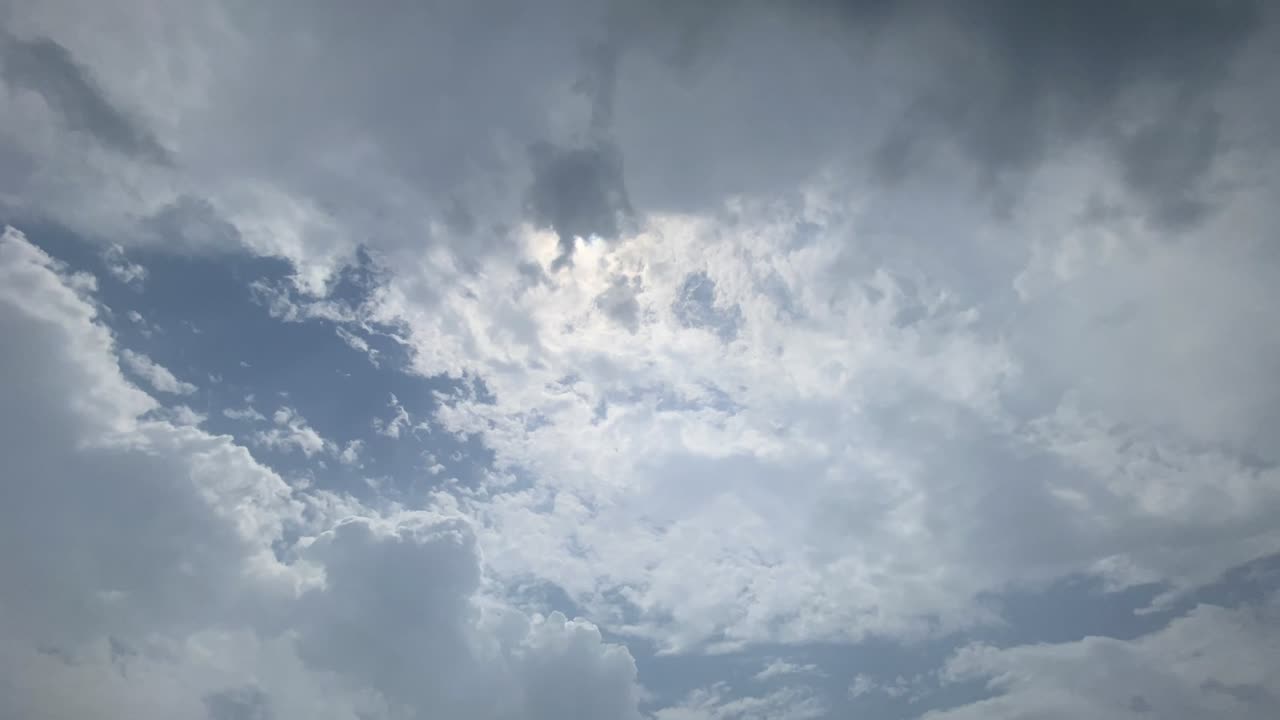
(740, 454)
(246, 413)
(783, 323)
(896, 687)
(1214, 662)
(88, 468)
(291, 432)
(129, 273)
(184, 415)
(770, 326)
(191, 612)
(350, 454)
(718, 703)
(157, 376)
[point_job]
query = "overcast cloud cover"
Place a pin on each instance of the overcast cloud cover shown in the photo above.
(718, 360)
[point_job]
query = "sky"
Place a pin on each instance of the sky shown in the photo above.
(612, 359)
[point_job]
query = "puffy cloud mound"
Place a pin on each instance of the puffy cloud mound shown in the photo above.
(1214, 662)
(156, 571)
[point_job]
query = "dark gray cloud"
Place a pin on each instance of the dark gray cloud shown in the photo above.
(1036, 76)
(459, 218)
(44, 66)
(578, 192)
(756, 97)
(248, 703)
(630, 108)
(1166, 160)
(1249, 694)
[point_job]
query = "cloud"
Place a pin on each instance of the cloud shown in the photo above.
(677, 450)
(716, 703)
(248, 412)
(578, 192)
(43, 66)
(157, 376)
(413, 639)
(144, 328)
(292, 432)
(1213, 662)
(1076, 73)
(831, 468)
(129, 273)
(864, 684)
(247, 703)
(696, 307)
(894, 307)
(359, 344)
(782, 668)
(399, 421)
(192, 223)
(184, 415)
(191, 612)
(92, 466)
(350, 454)
(619, 303)
(609, 112)
(769, 326)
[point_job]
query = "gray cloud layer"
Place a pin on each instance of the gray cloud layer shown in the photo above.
(43, 66)
(661, 106)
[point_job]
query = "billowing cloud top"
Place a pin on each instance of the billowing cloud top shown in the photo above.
(639, 359)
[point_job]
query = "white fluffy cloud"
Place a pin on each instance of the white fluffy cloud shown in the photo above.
(1214, 662)
(868, 450)
(291, 432)
(157, 376)
(121, 268)
(156, 571)
(718, 702)
(781, 668)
